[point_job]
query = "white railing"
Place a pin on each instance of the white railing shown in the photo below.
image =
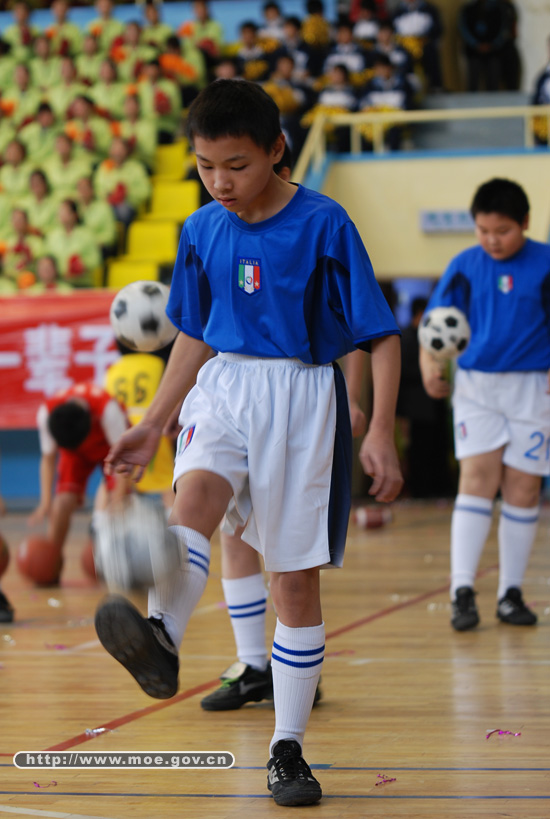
(314, 150)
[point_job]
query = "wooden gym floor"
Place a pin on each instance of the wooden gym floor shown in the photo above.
(404, 697)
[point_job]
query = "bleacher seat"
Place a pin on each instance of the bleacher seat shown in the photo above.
(152, 241)
(174, 200)
(121, 273)
(171, 161)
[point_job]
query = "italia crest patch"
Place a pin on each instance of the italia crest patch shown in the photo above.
(505, 284)
(186, 436)
(249, 275)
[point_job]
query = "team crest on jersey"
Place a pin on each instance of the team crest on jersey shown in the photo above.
(505, 284)
(186, 436)
(249, 275)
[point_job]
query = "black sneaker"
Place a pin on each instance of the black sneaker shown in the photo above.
(511, 609)
(6, 609)
(142, 646)
(240, 684)
(464, 609)
(289, 776)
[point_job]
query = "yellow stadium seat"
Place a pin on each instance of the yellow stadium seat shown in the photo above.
(171, 161)
(122, 273)
(152, 241)
(174, 200)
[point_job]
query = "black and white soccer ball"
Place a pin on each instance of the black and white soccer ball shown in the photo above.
(133, 549)
(138, 317)
(444, 332)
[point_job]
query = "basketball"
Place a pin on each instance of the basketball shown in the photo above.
(39, 560)
(371, 517)
(4, 555)
(87, 560)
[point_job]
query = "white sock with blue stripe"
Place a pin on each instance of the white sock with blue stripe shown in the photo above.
(296, 661)
(516, 534)
(470, 525)
(175, 599)
(246, 603)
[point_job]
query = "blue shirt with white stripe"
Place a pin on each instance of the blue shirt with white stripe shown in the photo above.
(297, 285)
(507, 304)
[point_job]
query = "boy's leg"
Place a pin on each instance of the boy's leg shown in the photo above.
(148, 648)
(480, 477)
(518, 523)
(249, 679)
(297, 657)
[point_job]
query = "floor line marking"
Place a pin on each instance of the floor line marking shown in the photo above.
(22, 812)
(158, 706)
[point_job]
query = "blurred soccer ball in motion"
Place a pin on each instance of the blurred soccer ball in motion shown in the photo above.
(444, 332)
(133, 548)
(138, 316)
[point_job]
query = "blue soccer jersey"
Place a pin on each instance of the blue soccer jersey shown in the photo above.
(297, 285)
(507, 304)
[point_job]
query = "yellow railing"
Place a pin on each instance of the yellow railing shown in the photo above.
(314, 150)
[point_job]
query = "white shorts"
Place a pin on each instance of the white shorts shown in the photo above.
(491, 410)
(277, 431)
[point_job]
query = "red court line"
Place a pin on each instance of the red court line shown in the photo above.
(151, 709)
(142, 712)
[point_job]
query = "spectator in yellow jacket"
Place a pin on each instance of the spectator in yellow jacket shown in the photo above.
(21, 33)
(108, 93)
(64, 168)
(139, 133)
(97, 215)
(61, 96)
(48, 279)
(44, 67)
(40, 205)
(20, 247)
(89, 61)
(15, 170)
(105, 27)
(22, 97)
(65, 37)
(88, 131)
(160, 101)
(124, 182)
(74, 247)
(39, 136)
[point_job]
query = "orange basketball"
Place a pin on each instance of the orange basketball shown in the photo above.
(39, 560)
(4, 555)
(371, 517)
(87, 560)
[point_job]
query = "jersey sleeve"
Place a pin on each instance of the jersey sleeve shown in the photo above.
(354, 293)
(47, 443)
(113, 422)
(453, 288)
(190, 296)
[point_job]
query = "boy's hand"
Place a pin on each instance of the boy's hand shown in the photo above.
(433, 378)
(133, 451)
(358, 420)
(379, 459)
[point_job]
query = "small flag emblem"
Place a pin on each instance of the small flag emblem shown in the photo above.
(249, 275)
(461, 430)
(186, 436)
(505, 284)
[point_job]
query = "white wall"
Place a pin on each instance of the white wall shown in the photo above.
(534, 30)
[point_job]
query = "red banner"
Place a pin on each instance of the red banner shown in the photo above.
(47, 343)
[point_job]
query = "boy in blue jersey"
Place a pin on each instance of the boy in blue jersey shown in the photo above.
(275, 278)
(501, 401)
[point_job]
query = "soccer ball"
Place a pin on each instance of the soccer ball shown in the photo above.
(444, 332)
(138, 317)
(133, 549)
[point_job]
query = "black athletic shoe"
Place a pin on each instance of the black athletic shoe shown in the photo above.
(141, 645)
(511, 609)
(6, 609)
(240, 684)
(464, 609)
(289, 776)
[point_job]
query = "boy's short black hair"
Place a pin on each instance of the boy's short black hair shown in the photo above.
(315, 7)
(234, 108)
(69, 424)
(501, 196)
